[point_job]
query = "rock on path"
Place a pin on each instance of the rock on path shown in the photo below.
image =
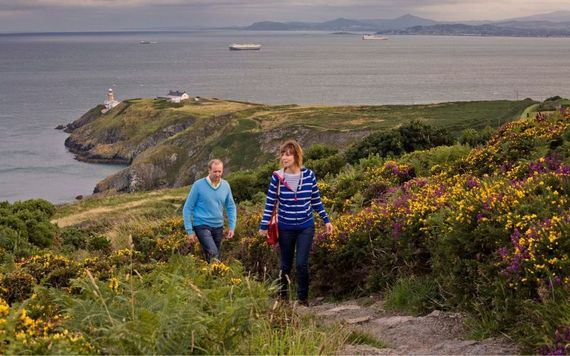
(439, 333)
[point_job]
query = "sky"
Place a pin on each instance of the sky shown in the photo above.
(113, 15)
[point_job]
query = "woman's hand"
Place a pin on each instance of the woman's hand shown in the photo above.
(262, 232)
(329, 228)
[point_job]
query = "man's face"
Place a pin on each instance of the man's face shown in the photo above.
(215, 173)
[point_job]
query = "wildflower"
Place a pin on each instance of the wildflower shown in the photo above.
(114, 284)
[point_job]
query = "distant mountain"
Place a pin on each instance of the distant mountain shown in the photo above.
(514, 29)
(554, 24)
(556, 16)
(535, 25)
(343, 24)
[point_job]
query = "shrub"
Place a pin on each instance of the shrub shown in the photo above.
(51, 270)
(30, 220)
(40, 205)
(243, 185)
(162, 241)
(414, 295)
(17, 286)
(384, 143)
(443, 156)
(476, 138)
(419, 136)
(98, 243)
(330, 165)
(319, 151)
(407, 138)
(74, 237)
(186, 306)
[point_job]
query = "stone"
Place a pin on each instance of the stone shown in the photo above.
(344, 307)
(435, 314)
(392, 321)
(360, 320)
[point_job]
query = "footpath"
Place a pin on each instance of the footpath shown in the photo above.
(439, 333)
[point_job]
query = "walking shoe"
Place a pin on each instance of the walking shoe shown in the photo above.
(303, 303)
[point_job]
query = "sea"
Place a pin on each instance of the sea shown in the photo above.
(48, 79)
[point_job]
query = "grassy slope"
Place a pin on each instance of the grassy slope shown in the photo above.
(244, 134)
(143, 117)
(455, 116)
(248, 123)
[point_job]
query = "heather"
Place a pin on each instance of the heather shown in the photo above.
(480, 226)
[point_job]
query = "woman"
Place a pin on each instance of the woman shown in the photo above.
(298, 197)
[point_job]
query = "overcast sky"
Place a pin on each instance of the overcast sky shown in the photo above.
(95, 15)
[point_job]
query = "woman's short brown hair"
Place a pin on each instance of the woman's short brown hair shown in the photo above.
(293, 147)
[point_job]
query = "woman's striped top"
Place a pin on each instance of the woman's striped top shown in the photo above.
(295, 207)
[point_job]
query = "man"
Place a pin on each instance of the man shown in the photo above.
(204, 210)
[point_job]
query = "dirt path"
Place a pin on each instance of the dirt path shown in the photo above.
(439, 333)
(93, 214)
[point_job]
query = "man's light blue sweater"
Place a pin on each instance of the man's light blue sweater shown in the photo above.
(205, 205)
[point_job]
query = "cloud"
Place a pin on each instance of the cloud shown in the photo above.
(54, 15)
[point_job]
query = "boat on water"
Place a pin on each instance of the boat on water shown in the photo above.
(244, 46)
(373, 37)
(147, 42)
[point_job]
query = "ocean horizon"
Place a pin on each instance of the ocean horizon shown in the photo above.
(50, 79)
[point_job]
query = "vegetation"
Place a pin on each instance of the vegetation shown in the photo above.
(25, 226)
(167, 145)
(481, 227)
(183, 306)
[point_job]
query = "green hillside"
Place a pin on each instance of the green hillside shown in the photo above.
(483, 230)
(168, 145)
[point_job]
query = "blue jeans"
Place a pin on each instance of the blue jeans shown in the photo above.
(302, 240)
(211, 240)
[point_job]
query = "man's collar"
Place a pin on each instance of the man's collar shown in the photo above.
(215, 186)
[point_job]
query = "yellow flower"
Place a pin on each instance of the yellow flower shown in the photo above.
(114, 284)
(235, 281)
(4, 308)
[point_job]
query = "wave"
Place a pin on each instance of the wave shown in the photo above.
(36, 169)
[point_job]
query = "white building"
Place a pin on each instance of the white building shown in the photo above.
(110, 102)
(177, 96)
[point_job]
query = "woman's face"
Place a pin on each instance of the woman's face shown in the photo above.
(287, 159)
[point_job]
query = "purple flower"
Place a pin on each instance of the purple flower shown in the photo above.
(472, 182)
(396, 229)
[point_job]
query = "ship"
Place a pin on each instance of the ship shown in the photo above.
(373, 37)
(244, 46)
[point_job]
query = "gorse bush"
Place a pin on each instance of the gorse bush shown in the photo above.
(407, 138)
(474, 137)
(488, 226)
(74, 237)
(26, 225)
(183, 307)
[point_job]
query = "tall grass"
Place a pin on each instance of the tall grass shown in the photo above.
(415, 295)
(186, 306)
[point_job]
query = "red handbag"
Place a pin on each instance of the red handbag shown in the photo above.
(273, 229)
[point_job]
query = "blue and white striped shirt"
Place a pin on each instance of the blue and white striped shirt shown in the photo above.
(295, 210)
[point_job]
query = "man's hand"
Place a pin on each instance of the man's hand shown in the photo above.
(329, 228)
(262, 232)
(231, 234)
(192, 237)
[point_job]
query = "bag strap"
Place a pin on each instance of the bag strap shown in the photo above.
(279, 180)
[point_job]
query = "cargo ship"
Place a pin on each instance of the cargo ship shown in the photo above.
(244, 46)
(373, 37)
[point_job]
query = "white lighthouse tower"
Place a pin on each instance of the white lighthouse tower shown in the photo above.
(110, 102)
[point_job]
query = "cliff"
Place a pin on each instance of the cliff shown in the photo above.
(169, 145)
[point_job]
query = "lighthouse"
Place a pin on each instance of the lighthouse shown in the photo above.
(110, 102)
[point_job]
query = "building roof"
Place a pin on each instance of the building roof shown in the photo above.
(176, 93)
